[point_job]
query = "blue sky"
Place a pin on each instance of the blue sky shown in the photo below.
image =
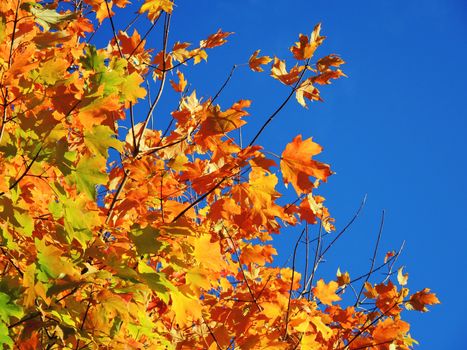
(395, 129)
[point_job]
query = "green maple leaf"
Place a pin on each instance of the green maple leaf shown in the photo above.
(100, 138)
(8, 309)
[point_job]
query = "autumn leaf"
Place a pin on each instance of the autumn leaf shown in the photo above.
(279, 72)
(326, 293)
(342, 278)
(180, 86)
(389, 330)
(401, 277)
(419, 300)
(306, 47)
(215, 40)
(308, 91)
(154, 8)
(256, 62)
(297, 166)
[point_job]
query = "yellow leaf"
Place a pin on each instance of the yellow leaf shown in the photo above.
(401, 277)
(154, 8)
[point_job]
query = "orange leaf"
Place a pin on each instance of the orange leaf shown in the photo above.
(255, 62)
(279, 72)
(326, 293)
(214, 40)
(305, 48)
(389, 330)
(180, 86)
(308, 91)
(422, 298)
(297, 165)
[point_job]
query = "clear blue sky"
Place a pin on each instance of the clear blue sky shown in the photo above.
(395, 129)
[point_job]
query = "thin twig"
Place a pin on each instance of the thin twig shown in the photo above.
(271, 117)
(25, 171)
(161, 86)
(362, 204)
(113, 28)
(375, 251)
(291, 285)
(236, 249)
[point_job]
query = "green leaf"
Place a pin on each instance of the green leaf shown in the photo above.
(92, 60)
(52, 263)
(26, 223)
(156, 281)
(100, 138)
(88, 175)
(4, 336)
(145, 240)
(64, 318)
(8, 309)
(79, 221)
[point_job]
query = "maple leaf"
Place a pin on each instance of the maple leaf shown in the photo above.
(279, 72)
(324, 63)
(297, 166)
(419, 300)
(221, 122)
(180, 86)
(326, 293)
(155, 7)
(305, 48)
(342, 278)
(308, 91)
(256, 62)
(215, 40)
(389, 330)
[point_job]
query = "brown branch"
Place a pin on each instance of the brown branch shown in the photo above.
(144, 36)
(223, 85)
(199, 199)
(24, 319)
(317, 258)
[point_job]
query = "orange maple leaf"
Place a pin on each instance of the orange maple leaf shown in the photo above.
(255, 62)
(214, 40)
(422, 298)
(326, 293)
(180, 86)
(279, 72)
(305, 48)
(389, 330)
(297, 165)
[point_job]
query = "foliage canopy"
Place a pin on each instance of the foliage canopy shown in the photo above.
(163, 244)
